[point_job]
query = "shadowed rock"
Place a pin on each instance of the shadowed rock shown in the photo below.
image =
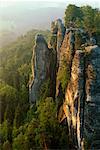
(57, 36)
(92, 102)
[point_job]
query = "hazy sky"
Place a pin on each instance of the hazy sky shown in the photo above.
(93, 3)
(19, 15)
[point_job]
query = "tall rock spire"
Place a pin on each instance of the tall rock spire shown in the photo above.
(40, 66)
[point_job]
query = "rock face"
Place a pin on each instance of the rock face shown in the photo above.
(60, 37)
(82, 97)
(74, 98)
(72, 68)
(92, 101)
(43, 80)
(40, 67)
(57, 36)
(82, 93)
(74, 89)
(67, 51)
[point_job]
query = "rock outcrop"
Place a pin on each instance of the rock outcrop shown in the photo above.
(40, 66)
(42, 69)
(57, 36)
(92, 101)
(82, 95)
(74, 98)
(67, 51)
(70, 66)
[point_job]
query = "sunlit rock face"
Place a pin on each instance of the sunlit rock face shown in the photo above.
(92, 101)
(81, 104)
(82, 98)
(74, 98)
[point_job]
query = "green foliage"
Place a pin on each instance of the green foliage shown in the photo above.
(24, 137)
(49, 130)
(64, 75)
(42, 130)
(8, 100)
(6, 132)
(18, 120)
(15, 68)
(86, 144)
(20, 143)
(72, 13)
(47, 118)
(88, 18)
(97, 26)
(31, 113)
(6, 145)
(22, 107)
(31, 133)
(45, 89)
(3, 131)
(84, 17)
(24, 71)
(97, 21)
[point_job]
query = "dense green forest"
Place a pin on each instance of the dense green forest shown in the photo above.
(24, 127)
(84, 17)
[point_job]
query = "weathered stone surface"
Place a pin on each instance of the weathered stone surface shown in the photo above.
(82, 96)
(63, 70)
(73, 72)
(43, 80)
(40, 66)
(74, 98)
(60, 36)
(57, 36)
(92, 103)
(65, 62)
